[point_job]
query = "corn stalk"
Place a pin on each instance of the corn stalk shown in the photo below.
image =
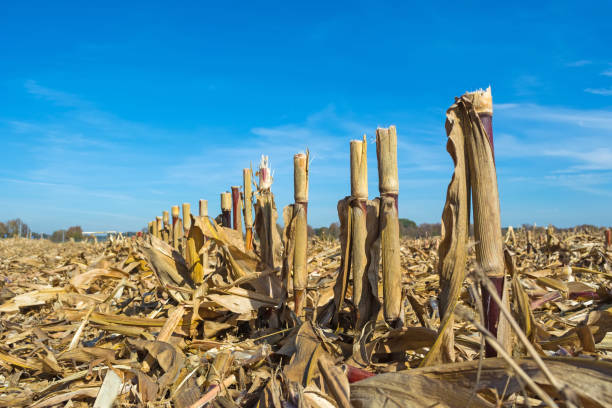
(203, 208)
(236, 208)
(177, 228)
(166, 228)
(226, 209)
(158, 227)
(470, 144)
(186, 218)
(452, 251)
(266, 216)
(359, 243)
(248, 207)
(386, 152)
(295, 234)
(485, 197)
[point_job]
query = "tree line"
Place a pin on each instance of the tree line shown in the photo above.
(408, 229)
(18, 228)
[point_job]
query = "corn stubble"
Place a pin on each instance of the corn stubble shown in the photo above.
(198, 311)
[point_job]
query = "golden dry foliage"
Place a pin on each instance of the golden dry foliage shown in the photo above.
(123, 322)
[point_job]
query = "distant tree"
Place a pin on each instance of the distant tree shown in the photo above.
(76, 233)
(3, 230)
(311, 231)
(408, 228)
(334, 230)
(58, 236)
(16, 228)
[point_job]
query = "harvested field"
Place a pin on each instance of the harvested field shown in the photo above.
(124, 323)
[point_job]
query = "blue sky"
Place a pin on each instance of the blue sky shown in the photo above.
(111, 114)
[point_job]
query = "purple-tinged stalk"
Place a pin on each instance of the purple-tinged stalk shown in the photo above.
(236, 209)
(485, 198)
(226, 209)
(388, 185)
(248, 207)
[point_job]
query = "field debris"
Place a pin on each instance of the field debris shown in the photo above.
(123, 322)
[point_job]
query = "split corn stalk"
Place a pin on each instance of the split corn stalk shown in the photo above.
(248, 207)
(452, 251)
(226, 209)
(388, 185)
(470, 144)
(266, 216)
(236, 208)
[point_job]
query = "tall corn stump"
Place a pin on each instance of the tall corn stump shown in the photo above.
(388, 185)
(177, 228)
(203, 208)
(359, 230)
(186, 218)
(487, 224)
(166, 228)
(237, 208)
(266, 216)
(300, 212)
(248, 207)
(226, 209)
(158, 227)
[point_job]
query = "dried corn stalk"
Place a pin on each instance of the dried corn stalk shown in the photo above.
(226, 209)
(295, 235)
(470, 145)
(248, 207)
(236, 209)
(359, 240)
(265, 218)
(186, 218)
(166, 228)
(177, 228)
(452, 251)
(157, 224)
(203, 208)
(485, 198)
(386, 152)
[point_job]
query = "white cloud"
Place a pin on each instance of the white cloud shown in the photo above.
(579, 63)
(599, 91)
(607, 72)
